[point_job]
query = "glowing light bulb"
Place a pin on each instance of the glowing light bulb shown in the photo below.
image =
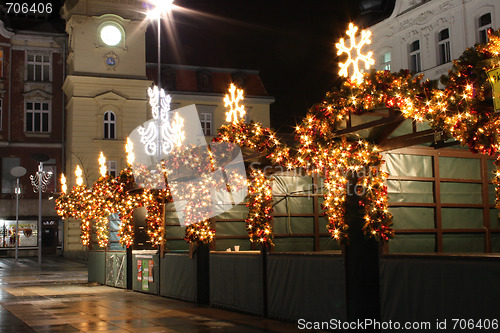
(102, 165)
(79, 173)
(64, 187)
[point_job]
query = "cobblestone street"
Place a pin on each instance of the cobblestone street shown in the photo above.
(57, 298)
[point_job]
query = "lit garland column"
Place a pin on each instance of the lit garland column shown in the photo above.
(266, 142)
(334, 205)
(77, 204)
(102, 208)
(260, 205)
(361, 162)
(154, 202)
(126, 203)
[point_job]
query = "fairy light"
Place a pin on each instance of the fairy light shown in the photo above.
(102, 165)
(260, 205)
(64, 187)
(317, 152)
(79, 174)
(353, 60)
(236, 112)
(129, 149)
(177, 125)
(162, 135)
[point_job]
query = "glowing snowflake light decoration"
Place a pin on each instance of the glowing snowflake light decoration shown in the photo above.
(357, 76)
(162, 135)
(236, 111)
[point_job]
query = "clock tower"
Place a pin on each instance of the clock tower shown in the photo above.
(105, 86)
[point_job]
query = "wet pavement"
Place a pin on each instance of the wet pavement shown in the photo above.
(57, 298)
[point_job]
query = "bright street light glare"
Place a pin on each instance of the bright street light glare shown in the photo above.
(161, 7)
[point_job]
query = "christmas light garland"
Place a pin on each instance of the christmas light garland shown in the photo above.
(260, 205)
(199, 233)
(462, 110)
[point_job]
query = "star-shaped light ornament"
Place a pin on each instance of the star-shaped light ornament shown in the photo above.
(354, 57)
(236, 111)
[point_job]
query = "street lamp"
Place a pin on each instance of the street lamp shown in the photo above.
(39, 181)
(161, 8)
(17, 172)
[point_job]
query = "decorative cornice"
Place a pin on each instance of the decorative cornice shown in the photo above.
(37, 93)
(4, 32)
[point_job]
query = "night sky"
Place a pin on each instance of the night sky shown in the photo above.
(291, 43)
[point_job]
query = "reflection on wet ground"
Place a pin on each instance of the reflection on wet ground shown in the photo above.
(56, 298)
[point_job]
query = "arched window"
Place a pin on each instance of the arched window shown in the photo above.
(385, 60)
(415, 64)
(444, 50)
(109, 125)
(484, 24)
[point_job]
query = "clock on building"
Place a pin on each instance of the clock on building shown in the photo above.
(110, 33)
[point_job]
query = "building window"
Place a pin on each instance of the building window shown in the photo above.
(204, 80)
(444, 46)
(385, 61)
(9, 181)
(415, 65)
(109, 125)
(206, 123)
(112, 168)
(206, 115)
(484, 24)
(38, 67)
(1, 63)
(37, 116)
(246, 118)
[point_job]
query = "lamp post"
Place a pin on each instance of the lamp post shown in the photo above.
(39, 182)
(17, 172)
(161, 8)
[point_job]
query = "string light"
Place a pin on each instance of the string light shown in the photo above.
(79, 173)
(260, 205)
(129, 149)
(353, 60)
(102, 165)
(236, 112)
(64, 187)
(163, 134)
(454, 110)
